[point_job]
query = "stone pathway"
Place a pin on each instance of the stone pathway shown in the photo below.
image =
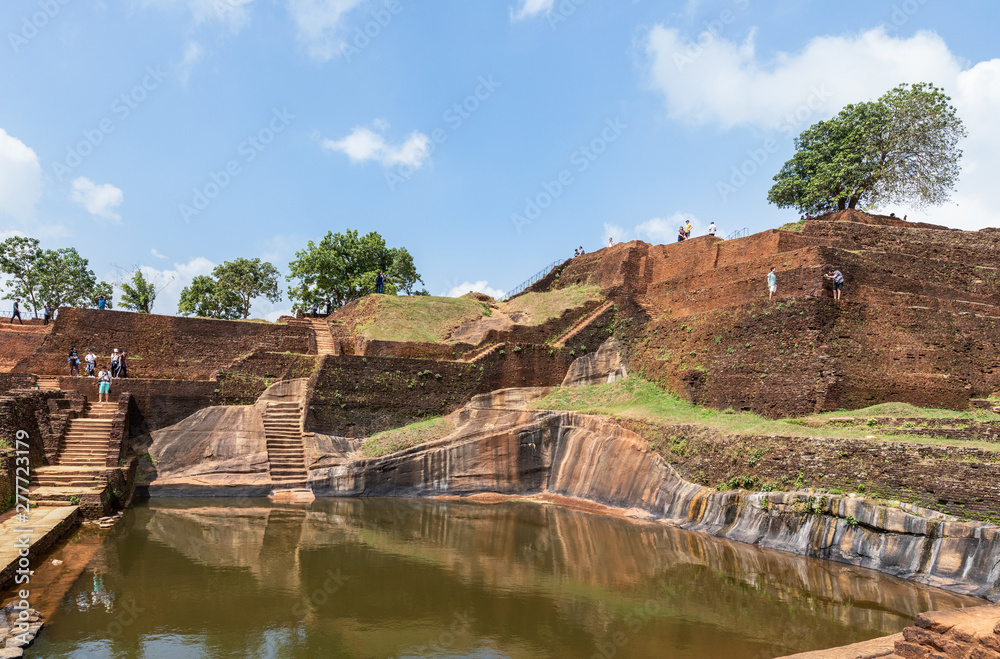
(324, 337)
(47, 525)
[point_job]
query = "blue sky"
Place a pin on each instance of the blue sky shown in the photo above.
(489, 138)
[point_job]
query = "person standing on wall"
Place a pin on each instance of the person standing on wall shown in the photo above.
(687, 229)
(90, 359)
(329, 306)
(103, 385)
(114, 363)
(17, 312)
(74, 361)
(712, 229)
(102, 302)
(772, 284)
(123, 364)
(380, 282)
(47, 311)
(838, 282)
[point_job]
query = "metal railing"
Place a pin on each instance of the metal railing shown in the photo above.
(538, 276)
(739, 233)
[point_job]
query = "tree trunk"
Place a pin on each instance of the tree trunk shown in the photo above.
(854, 202)
(841, 204)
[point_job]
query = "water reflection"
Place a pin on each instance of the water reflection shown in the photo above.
(418, 578)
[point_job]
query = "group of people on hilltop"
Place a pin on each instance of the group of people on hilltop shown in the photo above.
(835, 276)
(684, 231)
(118, 368)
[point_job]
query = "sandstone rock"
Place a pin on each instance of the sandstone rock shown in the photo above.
(603, 366)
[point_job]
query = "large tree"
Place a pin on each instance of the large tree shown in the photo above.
(344, 266)
(248, 279)
(20, 257)
(65, 279)
(902, 148)
(206, 299)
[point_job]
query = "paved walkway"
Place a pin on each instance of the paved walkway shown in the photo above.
(46, 526)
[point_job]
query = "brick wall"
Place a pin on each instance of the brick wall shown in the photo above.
(161, 347)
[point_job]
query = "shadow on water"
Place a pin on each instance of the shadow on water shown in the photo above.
(415, 578)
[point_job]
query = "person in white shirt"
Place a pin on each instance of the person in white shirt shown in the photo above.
(91, 360)
(711, 229)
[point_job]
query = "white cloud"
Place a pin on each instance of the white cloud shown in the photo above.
(193, 54)
(20, 178)
(99, 200)
(481, 286)
(529, 8)
(320, 25)
(157, 254)
(235, 14)
(728, 84)
(364, 144)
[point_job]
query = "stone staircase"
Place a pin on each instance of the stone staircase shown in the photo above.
(285, 450)
(47, 382)
(581, 324)
(76, 469)
(325, 345)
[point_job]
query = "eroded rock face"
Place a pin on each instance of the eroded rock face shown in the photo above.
(500, 445)
(604, 366)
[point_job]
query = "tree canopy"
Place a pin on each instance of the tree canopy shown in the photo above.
(139, 291)
(902, 148)
(344, 267)
(58, 276)
(206, 299)
(231, 289)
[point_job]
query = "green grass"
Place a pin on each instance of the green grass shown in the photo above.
(417, 318)
(793, 226)
(636, 398)
(541, 307)
(905, 410)
(399, 439)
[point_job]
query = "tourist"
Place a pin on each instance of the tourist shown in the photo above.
(103, 385)
(102, 301)
(47, 312)
(74, 361)
(123, 364)
(904, 218)
(892, 215)
(91, 361)
(711, 229)
(114, 363)
(329, 306)
(772, 284)
(576, 253)
(17, 312)
(680, 234)
(611, 242)
(316, 309)
(687, 229)
(380, 282)
(838, 282)
(581, 250)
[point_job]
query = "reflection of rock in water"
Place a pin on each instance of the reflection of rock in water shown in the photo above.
(541, 549)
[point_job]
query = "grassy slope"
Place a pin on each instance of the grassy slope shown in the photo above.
(418, 318)
(541, 307)
(398, 439)
(636, 398)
